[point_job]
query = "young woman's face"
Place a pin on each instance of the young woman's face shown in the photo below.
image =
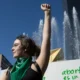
(17, 49)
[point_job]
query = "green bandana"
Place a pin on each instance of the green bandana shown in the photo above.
(20, 68)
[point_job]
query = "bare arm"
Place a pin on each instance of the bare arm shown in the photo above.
(43, 58)
(5, 75)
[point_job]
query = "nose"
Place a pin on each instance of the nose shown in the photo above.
(12, 49)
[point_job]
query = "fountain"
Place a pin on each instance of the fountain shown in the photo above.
(67, 34)
(54, 34)
(37, 35)
(76, 34)
(71, 36)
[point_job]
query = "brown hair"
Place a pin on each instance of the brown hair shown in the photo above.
(27, 43)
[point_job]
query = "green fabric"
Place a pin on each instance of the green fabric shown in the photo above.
(19, 69)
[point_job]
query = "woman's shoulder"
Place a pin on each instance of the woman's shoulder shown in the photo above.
(37, 67)
(32, 74)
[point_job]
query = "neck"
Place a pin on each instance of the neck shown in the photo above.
(25, 55)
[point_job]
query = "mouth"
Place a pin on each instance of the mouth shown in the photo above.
(13, 52)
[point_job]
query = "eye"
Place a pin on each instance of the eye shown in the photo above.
(15, 45)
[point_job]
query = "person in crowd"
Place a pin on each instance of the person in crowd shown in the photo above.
(24, 48)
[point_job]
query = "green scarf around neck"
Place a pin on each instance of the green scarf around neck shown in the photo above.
(19, 69)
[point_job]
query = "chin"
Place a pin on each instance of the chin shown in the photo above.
(15, 56)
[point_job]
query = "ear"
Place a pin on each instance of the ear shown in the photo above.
(25, 50)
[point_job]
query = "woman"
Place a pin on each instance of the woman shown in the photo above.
(24, 48)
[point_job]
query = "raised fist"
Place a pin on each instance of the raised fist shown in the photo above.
(45, 7)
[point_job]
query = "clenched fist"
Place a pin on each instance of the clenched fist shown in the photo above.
(45, 7)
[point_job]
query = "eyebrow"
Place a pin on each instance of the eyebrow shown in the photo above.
(15, 44)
